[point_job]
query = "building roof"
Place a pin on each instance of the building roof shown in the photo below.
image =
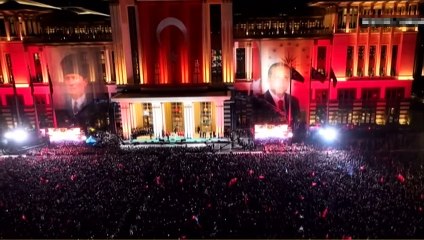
(27, 6)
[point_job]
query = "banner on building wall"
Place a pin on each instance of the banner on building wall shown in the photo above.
(283, 64)
(78, 86)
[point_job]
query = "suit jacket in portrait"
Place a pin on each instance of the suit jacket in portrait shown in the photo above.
(265, 110)
(83, 118)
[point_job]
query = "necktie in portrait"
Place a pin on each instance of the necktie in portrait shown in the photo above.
(280, 105)
(75, 108)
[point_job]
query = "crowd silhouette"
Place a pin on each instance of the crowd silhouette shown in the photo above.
(75, 191)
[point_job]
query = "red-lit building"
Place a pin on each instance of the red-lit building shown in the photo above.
(189, 67)
(33, 38)
(373, 65)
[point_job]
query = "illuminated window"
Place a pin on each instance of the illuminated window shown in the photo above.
(205, 117)
(177, 117)
(394, 96)
(321, 97)
(321, 59)
(216, 66)
(103, 63)
(361, 61)
(38, 71)
(371, 61)
(9, 68)
(147, 115)
(393, 70)
(346, 98)
(383, 60)
(349, 61)
(369, 98)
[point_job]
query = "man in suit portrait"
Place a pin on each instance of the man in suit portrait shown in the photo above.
(79, 99)
(276, 102)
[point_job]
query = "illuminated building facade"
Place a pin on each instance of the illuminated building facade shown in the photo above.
(175, 64)
(33, 38)
(373, 65)
(184, 67)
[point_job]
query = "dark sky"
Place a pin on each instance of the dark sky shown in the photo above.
(240, 7)
(266, 7)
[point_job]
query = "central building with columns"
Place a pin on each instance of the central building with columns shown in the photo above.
(173, 62)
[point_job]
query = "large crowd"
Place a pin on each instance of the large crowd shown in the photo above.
(75, 191)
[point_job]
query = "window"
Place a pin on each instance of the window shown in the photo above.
(113, 68)
(1, 74)
(241, 63)
(216, 46)
(103, 63)
(369, 105)
(383, 60)
(394, 96)
(147, 115)
(12, 26)
(132, 25)
(349, 61)
(371, 61)
(177, 117)
(196, 73)
(2, 28)
(205, 117)
(38, 71)
(361, 61)
(9, 68)
(216, 66)
(346, 96)
(321, 59)
(321, 100)
(393, 70)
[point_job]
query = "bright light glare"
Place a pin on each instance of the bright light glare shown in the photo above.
(272, 132)
(329, 134)
(65, 135)
(17, 135)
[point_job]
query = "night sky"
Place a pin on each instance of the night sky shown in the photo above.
(240, 7)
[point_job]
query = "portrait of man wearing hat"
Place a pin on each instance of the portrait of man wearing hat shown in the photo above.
(75, 77)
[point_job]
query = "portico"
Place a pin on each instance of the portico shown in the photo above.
(188, 117)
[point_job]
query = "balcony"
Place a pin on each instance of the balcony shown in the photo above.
(281, 27)
(240, 33)
(58, 37)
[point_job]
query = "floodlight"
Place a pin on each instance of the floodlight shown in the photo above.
(17, 135)
(328, 134)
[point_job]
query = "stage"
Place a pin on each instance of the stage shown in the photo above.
(176, 140)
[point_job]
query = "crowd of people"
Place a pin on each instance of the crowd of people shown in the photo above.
(75, 191)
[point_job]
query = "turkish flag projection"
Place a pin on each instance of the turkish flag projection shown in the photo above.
(171, 40)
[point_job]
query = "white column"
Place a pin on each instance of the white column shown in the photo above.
(188, 119)
(219, 117)
(126, 120)
(157, 119)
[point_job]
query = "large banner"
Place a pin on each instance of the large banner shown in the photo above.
(283, 89)
(79, 92)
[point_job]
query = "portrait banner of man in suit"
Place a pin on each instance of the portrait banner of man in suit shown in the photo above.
(78, 86)
(280, 96)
